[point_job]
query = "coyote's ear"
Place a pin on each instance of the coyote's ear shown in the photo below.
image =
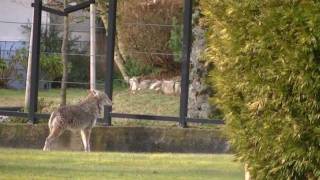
(92, 92)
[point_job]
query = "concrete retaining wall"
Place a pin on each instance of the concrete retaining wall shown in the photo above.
(125, 139)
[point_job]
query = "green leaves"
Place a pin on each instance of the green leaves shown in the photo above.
(266, 72)
(51, 65)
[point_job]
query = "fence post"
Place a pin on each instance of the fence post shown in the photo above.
(185, 63)
(33, 93)
(110, 57)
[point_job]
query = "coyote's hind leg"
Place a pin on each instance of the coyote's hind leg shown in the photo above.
(54, 133)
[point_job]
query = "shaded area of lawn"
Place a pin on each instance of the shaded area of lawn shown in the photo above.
(34, 164)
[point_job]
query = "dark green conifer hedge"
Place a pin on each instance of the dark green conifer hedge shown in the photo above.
(266, 57)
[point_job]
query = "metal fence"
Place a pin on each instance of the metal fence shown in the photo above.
(183, 118)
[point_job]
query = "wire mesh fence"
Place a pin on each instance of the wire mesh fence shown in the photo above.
(142, 102)
(151, 62)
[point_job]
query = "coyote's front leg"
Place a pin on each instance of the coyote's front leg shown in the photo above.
(85, 135)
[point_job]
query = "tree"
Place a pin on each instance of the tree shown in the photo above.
(119, 60)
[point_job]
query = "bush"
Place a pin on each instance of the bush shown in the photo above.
(79, 70)
(138, 41)
(50, 64)
(266, 57)
(7, 70)
(3, 74)
(175, 42)
(136, 68)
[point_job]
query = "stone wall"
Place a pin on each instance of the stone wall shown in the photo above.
(199, 91)
(125, 139)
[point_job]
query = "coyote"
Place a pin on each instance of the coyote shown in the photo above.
(81, 116)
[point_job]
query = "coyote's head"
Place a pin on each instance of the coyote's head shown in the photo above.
(102, 98)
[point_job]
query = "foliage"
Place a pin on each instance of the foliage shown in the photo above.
(45, 106)
(3, 67)
(50, 59)
(136, 68)
(266, 57)
(50, 64)
(175, 42)
(7, 69)
(79, 70)
(149, 43)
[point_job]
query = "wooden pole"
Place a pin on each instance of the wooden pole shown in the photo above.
(64, 55)
(33, 94)
(185, 64)
(111, 38)
(92, 46)
(28, 78)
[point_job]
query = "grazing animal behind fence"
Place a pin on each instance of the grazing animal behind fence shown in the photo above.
(79, 117)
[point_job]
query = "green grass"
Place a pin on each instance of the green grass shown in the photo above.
(35, 164)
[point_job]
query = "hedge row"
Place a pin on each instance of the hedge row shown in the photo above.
(266, 57)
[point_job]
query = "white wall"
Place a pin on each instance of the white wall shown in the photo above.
(16, 11)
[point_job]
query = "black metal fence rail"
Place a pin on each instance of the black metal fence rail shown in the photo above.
(41, 116)
(97, 55)
(183, 118)
(98, 27)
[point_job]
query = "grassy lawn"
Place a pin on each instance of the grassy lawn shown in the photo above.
(146, 102)
(35, 164)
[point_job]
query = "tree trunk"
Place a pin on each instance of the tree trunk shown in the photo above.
(246, 172)
(119, 60)
(64, 56)
(28, 78)
(92, 46)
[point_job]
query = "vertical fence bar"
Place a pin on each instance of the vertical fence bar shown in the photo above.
(187, 32)
(110, 56)
(33, 93)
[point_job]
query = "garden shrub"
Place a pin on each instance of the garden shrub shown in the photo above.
(3, 74)
(266, 58)
(139, 41)
(7, 70)
(175, 42)
(137, 68)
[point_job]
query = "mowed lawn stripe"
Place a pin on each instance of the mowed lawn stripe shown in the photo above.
(35, 164)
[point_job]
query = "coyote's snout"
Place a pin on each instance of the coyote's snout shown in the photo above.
(81, 116)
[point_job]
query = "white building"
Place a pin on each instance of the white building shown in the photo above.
(14, 14)
(17, 13)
